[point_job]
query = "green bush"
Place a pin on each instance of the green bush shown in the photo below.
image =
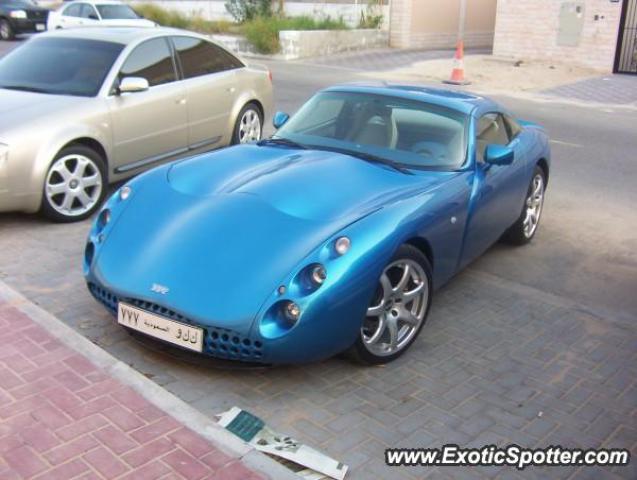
(246, 10)
(172, 18)
(373, 18)
(263, 32)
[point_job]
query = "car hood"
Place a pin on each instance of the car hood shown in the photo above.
(20, 109)
(228, 227)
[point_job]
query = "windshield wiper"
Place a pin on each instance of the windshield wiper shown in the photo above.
(25, 89)
(286, 142)
(367, 157)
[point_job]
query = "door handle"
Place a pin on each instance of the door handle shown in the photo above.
(180, 101)
(230, 89)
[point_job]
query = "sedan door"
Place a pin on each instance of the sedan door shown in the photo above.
(152, 125)
(71, 15)
(209, 78)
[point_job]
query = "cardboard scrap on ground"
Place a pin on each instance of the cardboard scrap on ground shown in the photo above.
(310, 464)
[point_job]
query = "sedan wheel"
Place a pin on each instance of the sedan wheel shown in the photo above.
(249, 125)
(74, 186)
(398, 309)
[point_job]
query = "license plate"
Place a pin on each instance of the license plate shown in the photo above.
(40, 27)
(163, 328)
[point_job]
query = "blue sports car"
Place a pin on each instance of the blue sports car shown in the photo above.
(330, 236)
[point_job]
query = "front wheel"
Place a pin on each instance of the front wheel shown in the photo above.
(6, 30)
(525, 227)
(75, 185)
(398, 310)
(249, 125)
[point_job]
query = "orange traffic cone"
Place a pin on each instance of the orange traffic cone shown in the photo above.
(457, 74)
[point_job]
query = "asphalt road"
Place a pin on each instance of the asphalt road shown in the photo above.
(548, 327)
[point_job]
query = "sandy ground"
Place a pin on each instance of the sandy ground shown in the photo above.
(493, 74)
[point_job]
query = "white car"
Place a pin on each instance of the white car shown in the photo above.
(96, 13)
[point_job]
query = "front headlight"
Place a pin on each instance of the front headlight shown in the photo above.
(18, 14)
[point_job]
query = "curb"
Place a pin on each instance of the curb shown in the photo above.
(162, 399)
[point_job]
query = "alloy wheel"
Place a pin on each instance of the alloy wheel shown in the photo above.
(73, 185)
(250, 126)
(398, 308)
(534, 204)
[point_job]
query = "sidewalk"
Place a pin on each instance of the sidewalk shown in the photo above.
(64, 417)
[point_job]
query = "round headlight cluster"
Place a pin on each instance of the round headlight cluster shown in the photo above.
(342, 245)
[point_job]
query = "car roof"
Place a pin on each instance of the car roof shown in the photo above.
(122, 35)
(461, 101)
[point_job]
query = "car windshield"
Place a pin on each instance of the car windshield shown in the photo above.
(60, 66)
(408, 133)
(114, 11)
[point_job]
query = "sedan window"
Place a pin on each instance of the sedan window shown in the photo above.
(151, 60)
(73, 10)
(115, 11)
(199, 57)
(63, 66)
(88, 11)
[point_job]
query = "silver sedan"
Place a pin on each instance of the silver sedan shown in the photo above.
(82, 108)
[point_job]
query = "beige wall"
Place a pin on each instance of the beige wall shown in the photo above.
(529, 29)
(434, 23)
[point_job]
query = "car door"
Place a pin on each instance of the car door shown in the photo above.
(152, 125)
(71, 15)
(498, 189)
(88, 16)
(209, 80)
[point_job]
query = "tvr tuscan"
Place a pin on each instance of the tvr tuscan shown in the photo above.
(329, 236)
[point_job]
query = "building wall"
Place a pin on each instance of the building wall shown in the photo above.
(531, 29)
(434, 23)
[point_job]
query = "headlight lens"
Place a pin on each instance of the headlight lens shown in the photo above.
(103, 218)
(18, 14)
(318, 274)
(292, 311)
(124, 192)
(342, 245)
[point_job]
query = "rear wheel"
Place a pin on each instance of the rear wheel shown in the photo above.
(6, 30)
(398, 310)
(525, 227)
(249, 125)
(75, 185)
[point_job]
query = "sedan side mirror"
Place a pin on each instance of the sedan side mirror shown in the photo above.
(92, 16)
(279, 119)
(498, 155)
(132, 85)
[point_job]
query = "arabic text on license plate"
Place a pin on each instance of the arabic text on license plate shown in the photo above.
(163, 328)
(40, 27)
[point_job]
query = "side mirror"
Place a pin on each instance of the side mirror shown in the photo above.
(132, 85)
(279, 119)
(498, 155)
(92, 16)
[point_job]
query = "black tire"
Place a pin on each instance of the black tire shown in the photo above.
(516, 234)
(236, 133)
(6, 30)
(49, 211)
(359, 352)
